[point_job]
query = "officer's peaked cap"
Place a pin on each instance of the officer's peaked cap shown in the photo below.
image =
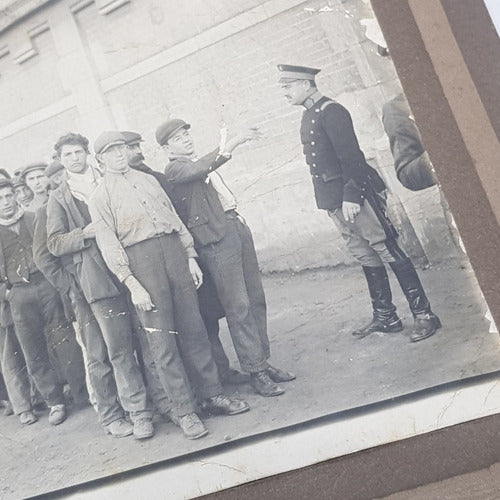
(290, 73)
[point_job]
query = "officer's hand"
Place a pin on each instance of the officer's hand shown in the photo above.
(196, 273)
(139, 295)
(8, 293)
(350, 210)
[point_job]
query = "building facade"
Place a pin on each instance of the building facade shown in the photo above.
(92, 65)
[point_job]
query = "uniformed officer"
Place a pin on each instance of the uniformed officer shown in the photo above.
(353, 194)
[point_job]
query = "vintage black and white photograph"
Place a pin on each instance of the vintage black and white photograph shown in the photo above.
(217, 220)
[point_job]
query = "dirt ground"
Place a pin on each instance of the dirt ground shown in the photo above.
(310, 317)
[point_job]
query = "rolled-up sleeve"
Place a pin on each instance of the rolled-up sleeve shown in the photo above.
(112, 250)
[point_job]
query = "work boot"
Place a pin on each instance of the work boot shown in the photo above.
(263, 385)
(385, 318)
(224, 405)
(426, 322)
(57, 414)
(119, 428)
(192, 426)
(143, 428)
(277, 375)
(27, 418)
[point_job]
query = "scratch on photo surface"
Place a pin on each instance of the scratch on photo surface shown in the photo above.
(490, 391)
(203, 462)
(152, 330)
(445, 408)
(110, 313)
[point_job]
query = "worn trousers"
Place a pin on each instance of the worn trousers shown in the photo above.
(114, 374)
(37, 314)
(174, 330)
(234, 268)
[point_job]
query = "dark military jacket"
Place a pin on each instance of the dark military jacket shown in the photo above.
(338, 167)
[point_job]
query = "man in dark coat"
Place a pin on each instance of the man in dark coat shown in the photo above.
(225, 246)
(210, 307)
(98, 299)
(69, 353)
(37, 313)
(353, 194)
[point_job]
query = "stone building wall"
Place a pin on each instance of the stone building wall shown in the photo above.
(93, 65)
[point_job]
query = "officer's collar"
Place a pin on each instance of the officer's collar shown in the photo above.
(312, 99)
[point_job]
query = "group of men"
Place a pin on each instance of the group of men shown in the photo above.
(120, 250)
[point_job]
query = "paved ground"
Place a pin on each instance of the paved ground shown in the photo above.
(311, 314)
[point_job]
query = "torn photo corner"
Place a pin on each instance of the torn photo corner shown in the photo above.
(225, 249)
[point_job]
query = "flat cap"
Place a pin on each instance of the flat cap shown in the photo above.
(166, 130)
(108, 139)
(53, 168)
(290, 73)
(31, 167)
(17, 180)
(131, 137)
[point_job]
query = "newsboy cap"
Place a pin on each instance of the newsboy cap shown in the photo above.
(131, 137)
(166, 130)
(53, 168)
(290, 73)
(32, 167)
(108, 139)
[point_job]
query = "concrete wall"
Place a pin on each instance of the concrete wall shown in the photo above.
(88, 66)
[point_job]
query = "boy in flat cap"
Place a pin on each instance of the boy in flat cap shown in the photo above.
(107, 337)
(353, 194)
(225, 246)
(148, 248)
(35, 179)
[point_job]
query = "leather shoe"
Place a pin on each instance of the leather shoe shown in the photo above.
(192, 426)
(224, 405)
(57, 414)
(424, 327)
(277, 375)
(263, 385)
(119, 428)
(377, 325)
(235, 377)
(143, 428)
(28, 418)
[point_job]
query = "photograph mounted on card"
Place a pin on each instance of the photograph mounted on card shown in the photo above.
(219, 222)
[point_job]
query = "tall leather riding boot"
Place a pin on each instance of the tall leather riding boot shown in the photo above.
(426, 322)
(385, 318)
